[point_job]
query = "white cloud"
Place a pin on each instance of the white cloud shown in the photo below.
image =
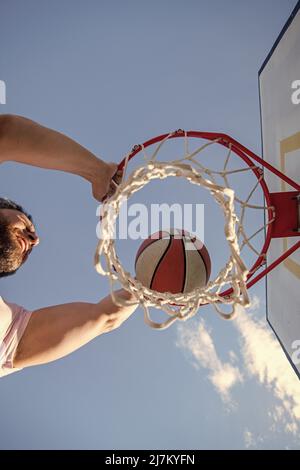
(223, 375)
(249, 439)
(264, 362)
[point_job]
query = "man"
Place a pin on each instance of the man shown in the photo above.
(32, 338)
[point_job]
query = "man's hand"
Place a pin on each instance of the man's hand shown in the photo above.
(105, 182)
(114, 314)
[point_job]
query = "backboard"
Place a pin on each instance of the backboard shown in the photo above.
(279, 84)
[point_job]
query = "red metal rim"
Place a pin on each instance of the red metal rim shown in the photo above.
(249, 158)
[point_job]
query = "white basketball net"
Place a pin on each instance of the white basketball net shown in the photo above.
(184, 305)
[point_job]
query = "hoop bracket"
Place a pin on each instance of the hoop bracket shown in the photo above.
(287, 216)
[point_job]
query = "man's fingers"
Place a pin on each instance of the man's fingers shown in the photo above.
(117, 178)
(111, 191)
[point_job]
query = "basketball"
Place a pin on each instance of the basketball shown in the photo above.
(173, 261)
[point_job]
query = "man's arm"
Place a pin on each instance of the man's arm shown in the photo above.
(55, 332)
(25, 141)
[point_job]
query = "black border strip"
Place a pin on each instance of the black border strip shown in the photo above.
(286, 26)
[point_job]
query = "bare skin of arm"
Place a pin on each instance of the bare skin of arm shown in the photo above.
(54, 332)
(27, 142)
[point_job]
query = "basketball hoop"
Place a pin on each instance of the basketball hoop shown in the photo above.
(230, 286)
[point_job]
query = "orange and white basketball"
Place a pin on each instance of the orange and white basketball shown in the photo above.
(173, 261)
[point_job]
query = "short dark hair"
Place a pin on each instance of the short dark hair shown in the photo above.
(6, 203)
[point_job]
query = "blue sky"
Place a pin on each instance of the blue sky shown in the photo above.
(111, 74)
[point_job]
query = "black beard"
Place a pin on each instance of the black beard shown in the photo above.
(10, 259)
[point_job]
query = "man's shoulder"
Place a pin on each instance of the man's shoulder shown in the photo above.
(6, 316)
